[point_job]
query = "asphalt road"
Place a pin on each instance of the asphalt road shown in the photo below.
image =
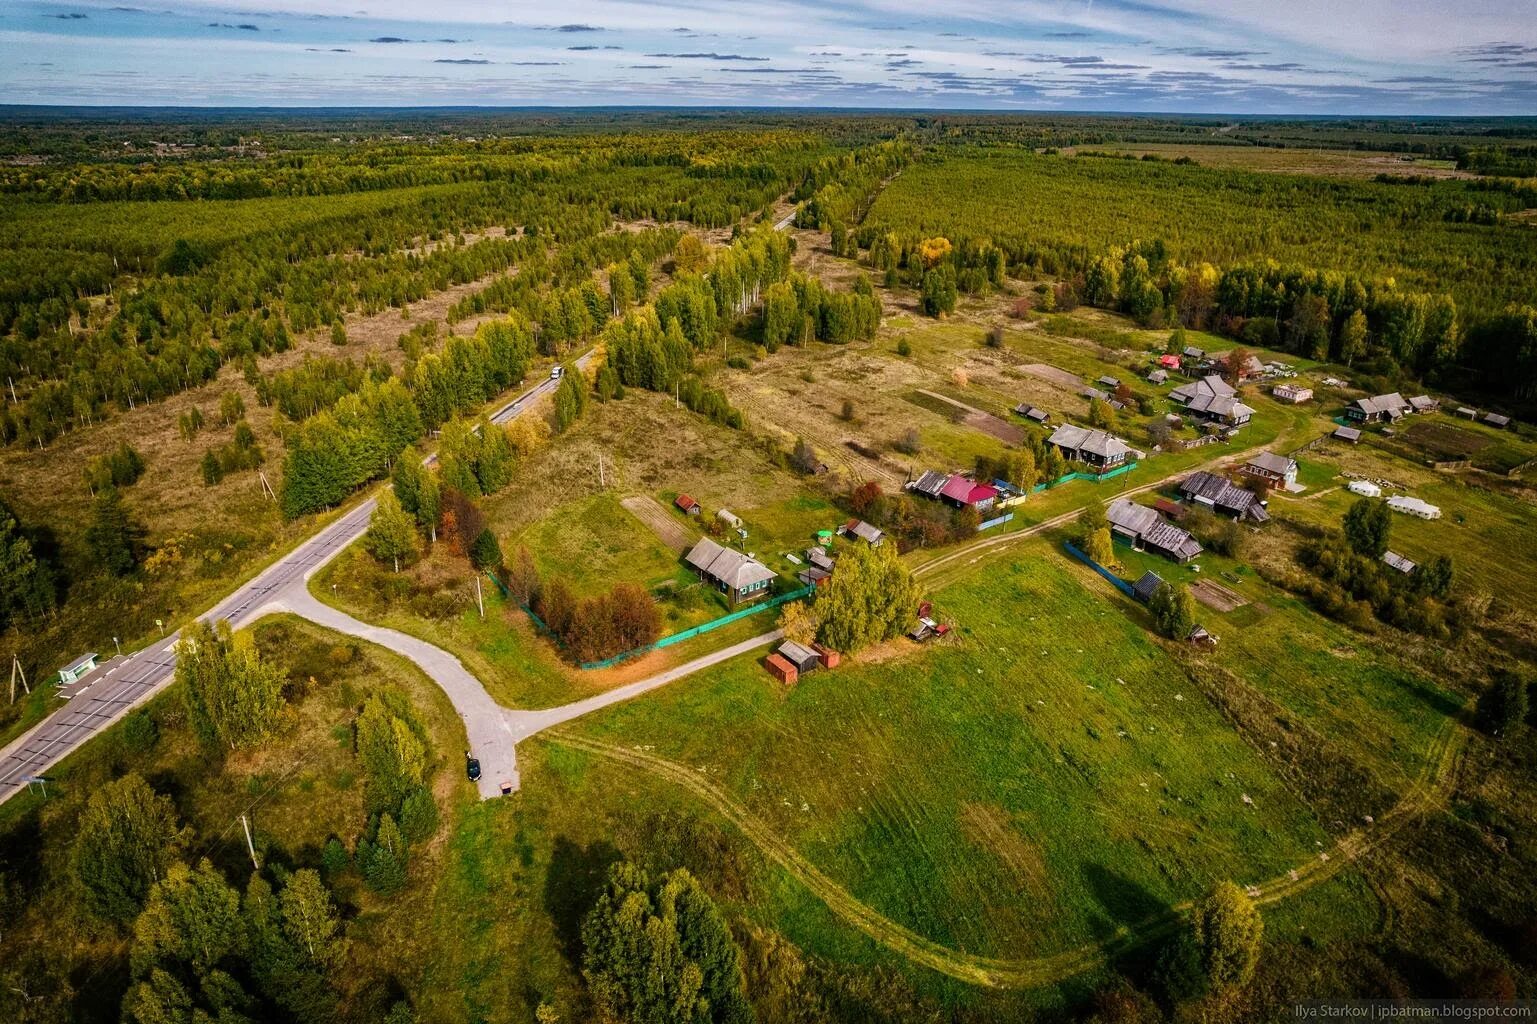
(124, 683)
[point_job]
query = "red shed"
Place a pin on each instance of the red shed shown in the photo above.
(781, 669)
(687, 504)
(1169, 362)
(830, 657)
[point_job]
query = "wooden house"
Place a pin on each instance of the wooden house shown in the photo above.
(1143, 527)
(741, 578)
(1276, 470)
(1093, 447)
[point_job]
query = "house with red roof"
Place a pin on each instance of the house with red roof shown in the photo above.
(965, 492)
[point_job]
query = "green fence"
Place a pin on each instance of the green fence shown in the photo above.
(1096, 477)
(705, 627)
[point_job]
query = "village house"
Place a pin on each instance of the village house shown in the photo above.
(1251, 367)
(1414, 507)
(1158, 377)
(871, 535)
(1032, 413)
(1145, 528)
(1191, 352)
(930, 484)
(1276, 470)
(1293, 393)
(741, 578)
(964, 492)
(1209, 385)
(1223, 496)
(1212, 398)
(1389, 407)
(1096, 448)
(1424, 404)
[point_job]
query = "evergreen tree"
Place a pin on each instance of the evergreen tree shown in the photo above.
(212, 471)
(126, 839)
(485, 552)
(232, 698)
(661, 953)
(391, 535)
(112, 536)
(385, 859)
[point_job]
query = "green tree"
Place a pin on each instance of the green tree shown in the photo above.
(231, 697)
(1227, 929)
(570, 400)
(1367, 525)
(1099, 546)
(27, 584)
(871, 598)
(485, 552)
(1173, 611)
(309, 918)
(386, 858)
(391, 534)
(126, 839)
(391, 744)
(213, 472)
(419, 815)
(660, 953)
(192, 917)
(1353, 338)
(113, 537)
(938, 293)
(1101, 416)
(1502, 708)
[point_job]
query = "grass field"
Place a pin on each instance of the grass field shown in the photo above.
(981, 792)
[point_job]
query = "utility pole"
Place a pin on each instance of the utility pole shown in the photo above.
(602, 479)
(245, 823)
(17, 670)
(480, 601)
(118, 646)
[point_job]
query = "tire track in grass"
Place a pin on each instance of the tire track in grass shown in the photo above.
(1428, 793)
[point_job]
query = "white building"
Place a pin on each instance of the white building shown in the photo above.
(1414, 507)
(1365, 488)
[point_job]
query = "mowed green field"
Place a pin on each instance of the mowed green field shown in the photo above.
(1047, 776)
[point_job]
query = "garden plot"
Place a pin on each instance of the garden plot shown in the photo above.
(1217, 597)
(663, 523)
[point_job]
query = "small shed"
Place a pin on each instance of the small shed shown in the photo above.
(1110, 382)
(1365, 488)
(781, 669)
(830, 657)
(1169, 362)
(802, 657)
(731, 520)
(77, 669)
(1199, 636)
(687, 505)
(1034, 414)
(811, 576)
(1494, 419)
(819, 558)
(1158, 377)
(1471, 414)
(1145, 587)
(1350, 434)
(1396, 561)
(1171, 508)
(1293, 393)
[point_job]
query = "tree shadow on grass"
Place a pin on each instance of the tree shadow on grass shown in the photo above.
(1125, 903)
(571, 886)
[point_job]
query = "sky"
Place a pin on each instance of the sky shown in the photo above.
(1197, 56)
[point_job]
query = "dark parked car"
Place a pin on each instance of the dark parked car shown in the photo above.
(472, 767)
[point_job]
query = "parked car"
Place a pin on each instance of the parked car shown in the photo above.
(472, 767)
